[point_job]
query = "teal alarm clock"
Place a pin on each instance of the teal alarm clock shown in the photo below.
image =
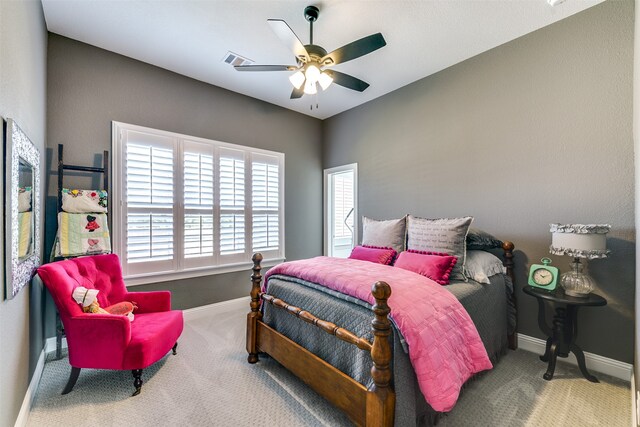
(543, 275)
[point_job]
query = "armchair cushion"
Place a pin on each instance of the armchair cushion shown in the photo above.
(152, 336)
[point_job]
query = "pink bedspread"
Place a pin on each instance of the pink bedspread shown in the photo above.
(444, 346)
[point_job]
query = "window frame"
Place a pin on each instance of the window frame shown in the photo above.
(327, 203)
(184, 267)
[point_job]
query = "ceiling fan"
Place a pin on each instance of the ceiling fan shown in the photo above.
(312, 59)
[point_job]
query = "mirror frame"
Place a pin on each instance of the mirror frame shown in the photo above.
(19, 272)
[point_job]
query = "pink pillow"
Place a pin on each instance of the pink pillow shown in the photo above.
(434, 265)
(374, 254)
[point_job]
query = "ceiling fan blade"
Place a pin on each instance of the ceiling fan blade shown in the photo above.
(354, 49)
(265, 67)
(297, 93)
(289, 38)
(347, 81)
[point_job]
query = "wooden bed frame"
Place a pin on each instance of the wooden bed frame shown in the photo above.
(365, 407)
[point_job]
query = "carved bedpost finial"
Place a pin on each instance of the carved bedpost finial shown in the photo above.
(507, 247)
(254, 315)
(256, 281)
(381, 397)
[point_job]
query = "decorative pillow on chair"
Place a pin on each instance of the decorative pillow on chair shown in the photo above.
(373, 254)
(434, 265)
(84, 201)
(481, 265)
(124, 308)
(88, 300)
(446, 235)
(481, 240)
(386, 234)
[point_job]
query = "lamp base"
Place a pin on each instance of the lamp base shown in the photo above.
(576, 283)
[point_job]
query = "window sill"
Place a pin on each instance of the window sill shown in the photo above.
(148, 278)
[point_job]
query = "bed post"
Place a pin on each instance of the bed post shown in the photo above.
(255, 314)
(507, 247)
(380, 397)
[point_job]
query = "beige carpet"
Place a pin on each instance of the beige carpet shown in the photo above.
(209, 383)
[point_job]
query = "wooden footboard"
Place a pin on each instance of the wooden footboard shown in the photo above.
(366, 407)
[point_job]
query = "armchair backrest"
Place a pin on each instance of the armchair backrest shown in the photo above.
(101, 272)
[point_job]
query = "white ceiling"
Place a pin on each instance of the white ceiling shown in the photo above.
(192, 37)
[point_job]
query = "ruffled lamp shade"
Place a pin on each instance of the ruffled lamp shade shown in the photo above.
(587, 241)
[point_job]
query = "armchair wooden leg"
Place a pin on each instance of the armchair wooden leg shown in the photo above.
(137, 381)
(173, 349)
(75, 372)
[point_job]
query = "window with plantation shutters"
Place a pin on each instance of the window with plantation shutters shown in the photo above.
(191, 206)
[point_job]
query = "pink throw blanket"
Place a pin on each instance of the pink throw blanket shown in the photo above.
(444, 346)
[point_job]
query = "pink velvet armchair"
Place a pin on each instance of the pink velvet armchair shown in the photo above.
(108, 341)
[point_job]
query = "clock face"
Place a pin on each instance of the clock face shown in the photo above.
(542, 277)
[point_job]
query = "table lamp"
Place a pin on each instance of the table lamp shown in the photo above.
(587, 241)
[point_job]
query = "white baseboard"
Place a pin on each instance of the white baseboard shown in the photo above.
(29, 396)
(634, 401)
(216, 308)
(595, 362)
(50, 344)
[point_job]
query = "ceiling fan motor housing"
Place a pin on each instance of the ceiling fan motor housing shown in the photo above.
(316, 53)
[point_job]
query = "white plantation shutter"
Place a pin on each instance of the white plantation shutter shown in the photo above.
(232, 202)
(149, 171)
(343, 204)
(189, 206)
(265, 188)
(198, 182)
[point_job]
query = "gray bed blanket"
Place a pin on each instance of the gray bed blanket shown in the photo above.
(487, 306)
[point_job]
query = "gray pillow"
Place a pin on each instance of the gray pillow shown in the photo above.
(481, 240)
(446, 235)
(385, 234)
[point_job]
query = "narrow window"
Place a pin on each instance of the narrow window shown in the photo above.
(340, 210)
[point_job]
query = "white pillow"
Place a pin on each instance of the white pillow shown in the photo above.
(481, 265)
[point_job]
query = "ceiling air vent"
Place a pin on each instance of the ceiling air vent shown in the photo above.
(235, 59)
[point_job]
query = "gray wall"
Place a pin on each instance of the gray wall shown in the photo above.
(90, 87)
(23, 52)
(535, 131)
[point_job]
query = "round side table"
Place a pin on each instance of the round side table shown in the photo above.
(562, 336)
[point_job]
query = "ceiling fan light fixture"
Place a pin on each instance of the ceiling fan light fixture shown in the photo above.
(325, 80)
(297, 79)
(310, 88)
(312, 73)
